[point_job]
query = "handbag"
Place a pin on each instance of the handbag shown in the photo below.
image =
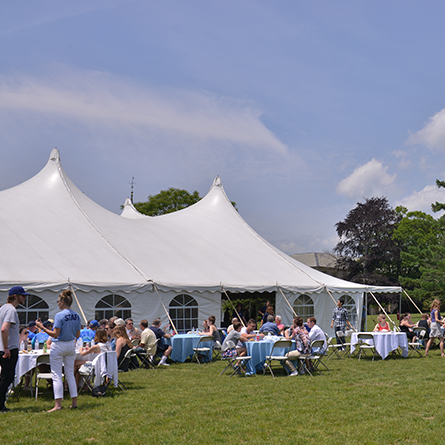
(99, 391)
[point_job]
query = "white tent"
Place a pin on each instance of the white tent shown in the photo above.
(54, 236)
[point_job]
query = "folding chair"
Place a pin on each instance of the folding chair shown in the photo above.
(43, 360)
(124, 364)
(366, 343)
(203, 351)
(277, 355)
(417, 345)
(333, 348)
(316, 358)
(147, 359)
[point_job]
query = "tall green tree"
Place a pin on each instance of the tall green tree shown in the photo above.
(437, 206)
(167, 201)
(367, 251)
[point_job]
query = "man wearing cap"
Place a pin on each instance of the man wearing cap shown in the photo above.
(88, 333)
(9, 340)
(32, 329)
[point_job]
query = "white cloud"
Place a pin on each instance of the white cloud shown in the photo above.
(432, 134)
(422, 200)
(97, 99)
(370, 179)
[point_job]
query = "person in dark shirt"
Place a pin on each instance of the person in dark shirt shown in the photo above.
(165, 349)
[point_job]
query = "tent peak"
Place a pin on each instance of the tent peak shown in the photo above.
(55, 155)
(217, 182)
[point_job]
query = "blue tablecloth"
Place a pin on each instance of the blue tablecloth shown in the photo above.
(258, 350)
(183, 345)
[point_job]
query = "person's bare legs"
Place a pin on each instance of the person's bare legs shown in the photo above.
(441, 346)
(428, 345)
(57, 405)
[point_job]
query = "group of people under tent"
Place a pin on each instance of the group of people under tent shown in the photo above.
(432, 323)
(237, 336)
(63, 334)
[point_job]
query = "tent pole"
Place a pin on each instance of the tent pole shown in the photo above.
(165, 309)
(406, 293)
(77, 301)
(287, 301)
(381, 307)
(239, 318)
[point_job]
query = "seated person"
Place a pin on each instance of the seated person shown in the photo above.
(382, 325)
(109, 327)
(32, 329)
(406, 326)
(229, 346)
(23, 333)
(248, 333)
(316, 333)
(270, 326)
(279, 324)
(123, 344)
(230, 328)
(424, 323)
(213, 331)
(132, 332)
(166, 350)
(147, 344)
(302, 343)
(87, 334)
(100, 345)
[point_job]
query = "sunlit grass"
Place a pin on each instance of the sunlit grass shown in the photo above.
(392, 401)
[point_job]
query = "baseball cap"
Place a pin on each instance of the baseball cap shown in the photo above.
(17, 290)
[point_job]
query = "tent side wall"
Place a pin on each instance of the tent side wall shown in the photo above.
(138, 305)
(322, 307)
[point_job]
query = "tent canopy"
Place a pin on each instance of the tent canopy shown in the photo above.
(52, 234)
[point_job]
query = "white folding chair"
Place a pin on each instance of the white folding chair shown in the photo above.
(203, 349)
(42, 360)
(416, 346)
(278, 353)
(366, 343)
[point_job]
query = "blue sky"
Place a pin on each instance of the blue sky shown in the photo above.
(302, 108)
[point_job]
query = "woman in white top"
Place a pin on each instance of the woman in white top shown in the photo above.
(101, 345)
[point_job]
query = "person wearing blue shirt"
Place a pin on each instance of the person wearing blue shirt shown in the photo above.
(63, 349)
(270, 326)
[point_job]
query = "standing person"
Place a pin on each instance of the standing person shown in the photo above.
(63, 349)
(435, 332)
(340, 320)
(9, 340)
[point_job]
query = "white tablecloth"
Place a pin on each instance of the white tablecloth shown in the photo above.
(28, 360)
(385, 342)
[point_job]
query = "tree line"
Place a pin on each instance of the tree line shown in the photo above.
(380, 245)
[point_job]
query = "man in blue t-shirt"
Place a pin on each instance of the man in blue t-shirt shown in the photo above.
(165, 349)
(270, 326)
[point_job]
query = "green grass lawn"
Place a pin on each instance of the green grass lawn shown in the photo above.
(394, 401)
